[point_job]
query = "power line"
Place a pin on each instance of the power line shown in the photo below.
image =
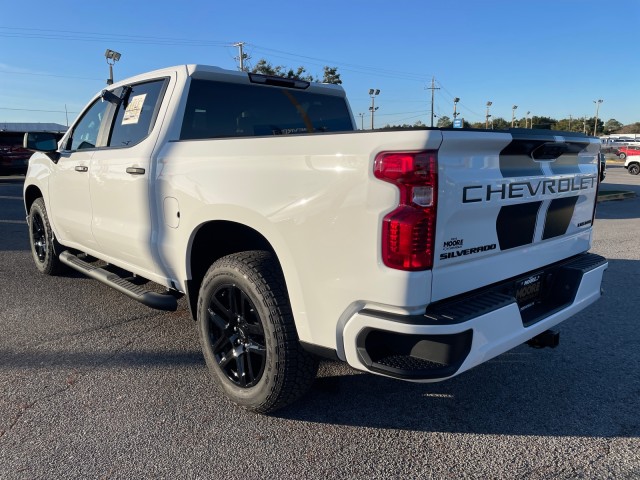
(48, 75)
(350, 67)
(422, 112)
(48, 34)
(34, 110)
(80, 36)
(459, 103)
(73, 35)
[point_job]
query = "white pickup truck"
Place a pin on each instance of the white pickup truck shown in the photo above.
(411, 254)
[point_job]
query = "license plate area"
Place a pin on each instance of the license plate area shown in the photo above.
(528, 291)
(545, 292)
(535, 295)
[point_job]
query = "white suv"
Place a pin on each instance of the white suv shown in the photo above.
(632, 164)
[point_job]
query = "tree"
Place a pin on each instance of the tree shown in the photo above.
(331, 75)
(633, 128)
(265, 67)
(569, 125)
(444, 122)
(612, 125)
(405, 126)
(499, 123)
(299, 74)
(545, 123)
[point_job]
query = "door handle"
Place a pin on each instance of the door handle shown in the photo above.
(81, 168)
(135, 170)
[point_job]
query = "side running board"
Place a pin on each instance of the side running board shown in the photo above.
(151, 299)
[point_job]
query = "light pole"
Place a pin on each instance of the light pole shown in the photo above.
(112, 57)
(526, 122)
(513, 115)
(373, 108)
(455, 108)
(361, 115)
(486, 120)
(595, 127)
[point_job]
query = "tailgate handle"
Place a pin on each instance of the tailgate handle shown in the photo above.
(81, 168)
(549, 151)
(135, 170)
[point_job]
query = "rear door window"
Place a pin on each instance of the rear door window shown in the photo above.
(136, 114)
(219, 109)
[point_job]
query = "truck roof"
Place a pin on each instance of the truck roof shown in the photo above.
(217, 73)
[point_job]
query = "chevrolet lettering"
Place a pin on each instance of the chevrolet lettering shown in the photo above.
(541, 188)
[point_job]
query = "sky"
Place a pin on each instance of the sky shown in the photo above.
(549, 57)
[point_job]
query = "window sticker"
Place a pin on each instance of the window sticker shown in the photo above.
(134, 109)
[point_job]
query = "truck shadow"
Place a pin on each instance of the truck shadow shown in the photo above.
(588, 386)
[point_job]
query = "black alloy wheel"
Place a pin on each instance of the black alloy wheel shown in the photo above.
(634, 169)
(236, 335)
(42, 241)
(39, 238)
(248, 334)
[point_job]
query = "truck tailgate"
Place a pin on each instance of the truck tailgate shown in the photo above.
(526, 196)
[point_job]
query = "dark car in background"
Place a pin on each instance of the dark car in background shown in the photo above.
(13, 158)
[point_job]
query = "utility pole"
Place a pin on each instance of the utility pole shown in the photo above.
(526, 122)
(241, 55)
(361, 115)
(433, 89)
(570, 118)
(584, 120)
(486, 120)
(66, 113)
(513, 115)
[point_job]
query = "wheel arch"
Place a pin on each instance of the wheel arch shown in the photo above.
(31, 193)
(218, 238)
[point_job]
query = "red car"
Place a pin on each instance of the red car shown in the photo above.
(623, 152)
(13, 158)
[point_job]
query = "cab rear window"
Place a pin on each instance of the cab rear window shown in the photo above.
(220, 109)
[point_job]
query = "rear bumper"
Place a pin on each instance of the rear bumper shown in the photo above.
(456, 335)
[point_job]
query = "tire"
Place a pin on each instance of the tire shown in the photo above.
(622, 155)
(248, 335)
(42, 241)
(634, 168)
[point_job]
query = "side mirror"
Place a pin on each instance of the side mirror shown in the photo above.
(45, 142)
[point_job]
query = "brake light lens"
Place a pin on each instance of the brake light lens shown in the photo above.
(408, 232)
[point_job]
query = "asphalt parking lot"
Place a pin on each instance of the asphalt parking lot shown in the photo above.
(94, 385)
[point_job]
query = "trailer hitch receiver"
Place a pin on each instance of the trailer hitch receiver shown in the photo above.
(548, 338)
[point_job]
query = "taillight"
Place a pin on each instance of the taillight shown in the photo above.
(408, 233)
